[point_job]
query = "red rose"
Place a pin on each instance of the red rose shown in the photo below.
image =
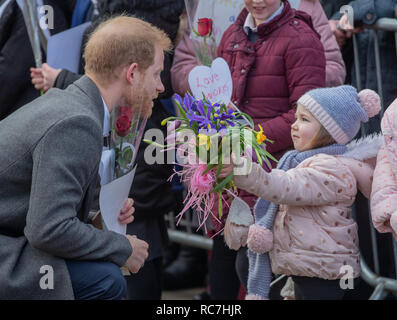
(204, 27)
(125, 111)
(123, 122)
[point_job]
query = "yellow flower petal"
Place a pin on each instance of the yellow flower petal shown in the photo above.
(204, 140)
(260, 137)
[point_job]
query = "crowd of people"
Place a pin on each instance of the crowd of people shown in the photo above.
(292, 69)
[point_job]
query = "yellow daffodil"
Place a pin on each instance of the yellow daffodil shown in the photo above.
(260, 137)
(204, 140)
(232, 185)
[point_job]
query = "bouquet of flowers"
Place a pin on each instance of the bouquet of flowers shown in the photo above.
(205, 135)
(208, 21)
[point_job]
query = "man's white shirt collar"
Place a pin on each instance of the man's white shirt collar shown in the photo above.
(106, 119)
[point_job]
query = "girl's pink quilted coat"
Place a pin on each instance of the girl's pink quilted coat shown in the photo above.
(314, 234)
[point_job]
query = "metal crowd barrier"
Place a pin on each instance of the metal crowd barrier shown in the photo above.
(185, 233)
(382, 285)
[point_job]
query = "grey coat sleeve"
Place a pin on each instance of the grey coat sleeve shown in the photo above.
(64, 164)
(66, 78)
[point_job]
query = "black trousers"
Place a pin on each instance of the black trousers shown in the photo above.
(147, 283)
(319, 289)
(224, 282)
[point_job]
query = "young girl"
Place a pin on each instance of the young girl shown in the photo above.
(384, 187)
(275, 56)
(311, 191)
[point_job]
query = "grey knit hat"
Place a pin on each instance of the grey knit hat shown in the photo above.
(341, 109)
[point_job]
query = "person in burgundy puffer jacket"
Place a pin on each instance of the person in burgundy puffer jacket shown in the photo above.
(275, 56)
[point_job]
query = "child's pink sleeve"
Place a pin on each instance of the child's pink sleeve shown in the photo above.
(384, 196)
(184, 61)
(321, 182)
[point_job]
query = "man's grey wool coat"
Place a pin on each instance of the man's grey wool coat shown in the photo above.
(49, 156)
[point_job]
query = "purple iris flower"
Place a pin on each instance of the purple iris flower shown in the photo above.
(202, 117)
(201, 112)
(226, 118)
(187, 104)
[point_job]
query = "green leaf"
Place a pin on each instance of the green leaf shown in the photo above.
(158, 145)
(127, 154)
(223, 183)
(258, 156)
(220, 204)
(195, 32)
(183, 113)
(249, 119)
(218, 171)
(164, 122)
(209, 167)
(270, 156)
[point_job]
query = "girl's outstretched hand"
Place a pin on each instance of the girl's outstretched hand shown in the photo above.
(228, 166)
(241, 166)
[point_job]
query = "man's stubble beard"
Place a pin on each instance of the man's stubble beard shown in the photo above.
(140, 101)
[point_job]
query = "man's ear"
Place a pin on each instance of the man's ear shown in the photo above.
(131, 72)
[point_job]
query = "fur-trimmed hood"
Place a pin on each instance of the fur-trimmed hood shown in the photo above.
(364, 149)
(359, 151)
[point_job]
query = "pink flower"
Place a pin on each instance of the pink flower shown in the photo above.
(173, 125)
(202, 183)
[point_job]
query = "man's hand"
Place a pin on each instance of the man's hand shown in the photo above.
(139, 254)
(126, 213)
(44, 78)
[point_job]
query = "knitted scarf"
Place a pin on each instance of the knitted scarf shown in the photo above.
(259, 273)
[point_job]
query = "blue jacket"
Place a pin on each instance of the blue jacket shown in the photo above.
(368, 12)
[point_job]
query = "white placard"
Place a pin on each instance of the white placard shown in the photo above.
(111, 200)
(215, 82)
(223, 13)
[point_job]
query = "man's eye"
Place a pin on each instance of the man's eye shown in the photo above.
(305, 119)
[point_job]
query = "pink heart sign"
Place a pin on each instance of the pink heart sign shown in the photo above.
(214, 82)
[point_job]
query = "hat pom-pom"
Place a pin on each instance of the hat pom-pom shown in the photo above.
(370, 101)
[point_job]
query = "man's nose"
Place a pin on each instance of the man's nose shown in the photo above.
(160, 87)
